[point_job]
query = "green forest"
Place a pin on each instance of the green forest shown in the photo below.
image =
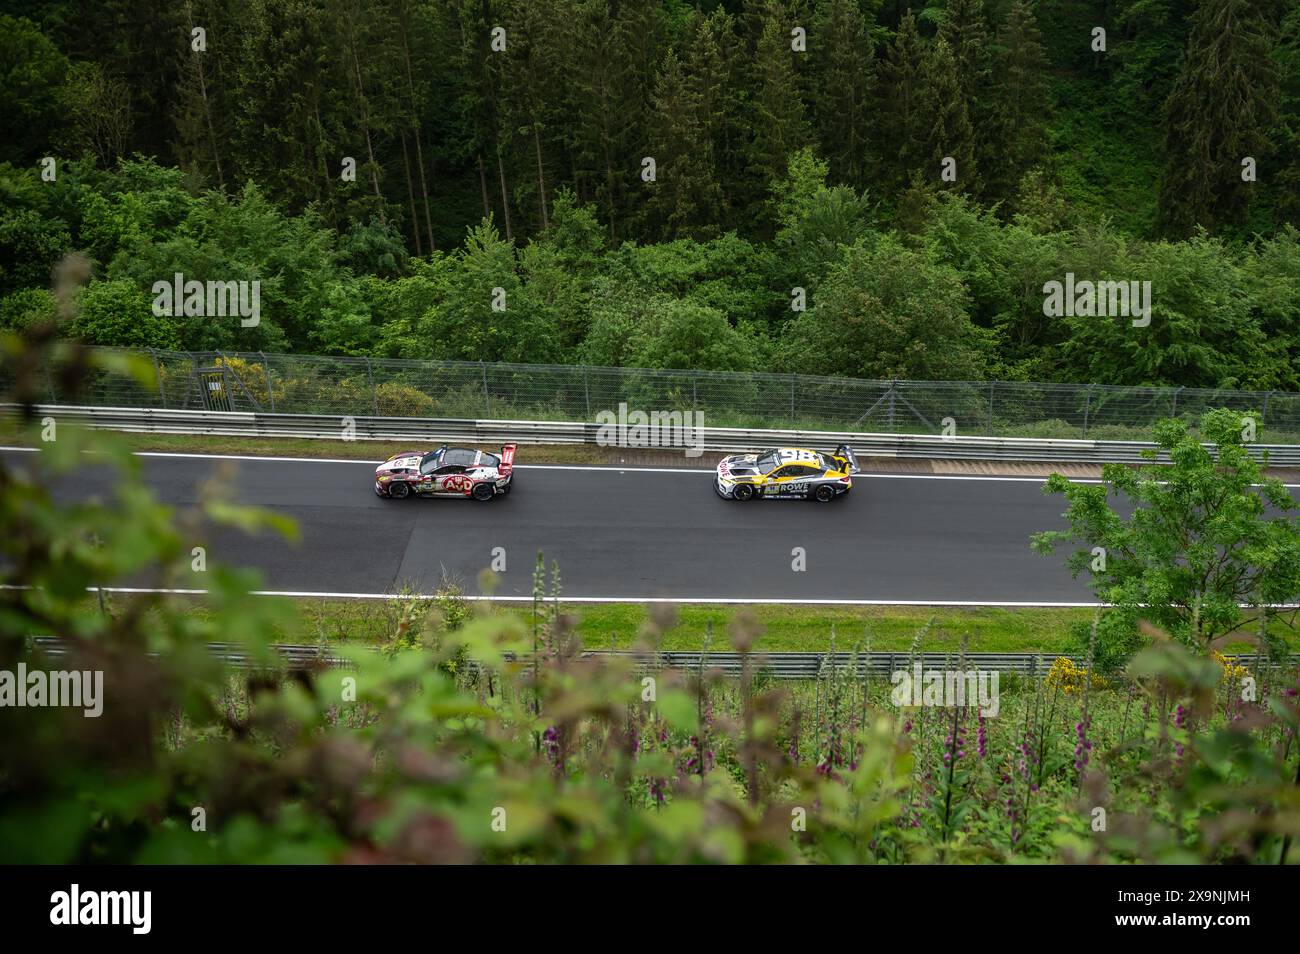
(868, 188)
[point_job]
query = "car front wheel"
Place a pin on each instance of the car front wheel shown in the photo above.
(399, 490)
(743, 491)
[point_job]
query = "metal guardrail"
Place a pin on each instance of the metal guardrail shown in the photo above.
(492, 433)
(777, 665)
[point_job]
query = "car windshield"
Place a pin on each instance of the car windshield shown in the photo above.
(463, 457)
(767, 461)
(430, 462)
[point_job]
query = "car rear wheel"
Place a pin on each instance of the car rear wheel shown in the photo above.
(483, 491)
(743, 491)
(399, 490)
(824, 493)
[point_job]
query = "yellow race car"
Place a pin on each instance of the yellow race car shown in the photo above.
(787, 472)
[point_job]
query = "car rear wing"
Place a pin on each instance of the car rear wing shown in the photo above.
(845, 453)
(507, 459)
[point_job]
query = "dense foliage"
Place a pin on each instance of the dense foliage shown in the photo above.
(436, 746)
(1208, 537)
(501, 206)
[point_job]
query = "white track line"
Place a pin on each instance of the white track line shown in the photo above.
(308, 594)
(594, 468)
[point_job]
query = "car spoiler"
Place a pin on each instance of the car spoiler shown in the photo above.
(845, 452)
(507, 459)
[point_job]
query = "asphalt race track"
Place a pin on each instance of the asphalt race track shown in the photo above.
(640, 534)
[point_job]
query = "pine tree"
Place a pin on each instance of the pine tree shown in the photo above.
(1218, 114)
(532, 90)
(1020, 103)
(289, 132)
(712, 73)
(1287, 136)
(842, 63)
(196, 111)
(616, 49)
(411, 43)
(777, 108)
(685, 197)
(966, 33)
(899, 129)
(947, 129)
(482, 67)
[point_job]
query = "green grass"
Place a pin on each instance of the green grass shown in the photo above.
(782, 628)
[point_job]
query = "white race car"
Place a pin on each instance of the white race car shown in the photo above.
(446, 472)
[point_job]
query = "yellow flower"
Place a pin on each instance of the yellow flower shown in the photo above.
(1232, 671)
(1072, 677)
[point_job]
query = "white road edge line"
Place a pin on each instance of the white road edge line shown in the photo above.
(308, 594)
(640, 470)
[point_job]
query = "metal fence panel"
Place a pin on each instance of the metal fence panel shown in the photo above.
(470, 390)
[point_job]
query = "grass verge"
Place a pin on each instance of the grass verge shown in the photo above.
(784, 628)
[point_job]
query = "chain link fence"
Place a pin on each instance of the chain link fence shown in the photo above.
(304, 384)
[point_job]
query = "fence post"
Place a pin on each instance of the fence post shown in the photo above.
(374, 395)
(1173, 411)
(892, 401)
(992, 385)
(157, 370)
(487, 398)
(792, 401)
(1264, 411)
(586, 389)
(1087, 408)
(270, 388)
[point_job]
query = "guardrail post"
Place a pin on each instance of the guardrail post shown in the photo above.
(157, 370)
(374, 395)
(487, 398)
(266, 373)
